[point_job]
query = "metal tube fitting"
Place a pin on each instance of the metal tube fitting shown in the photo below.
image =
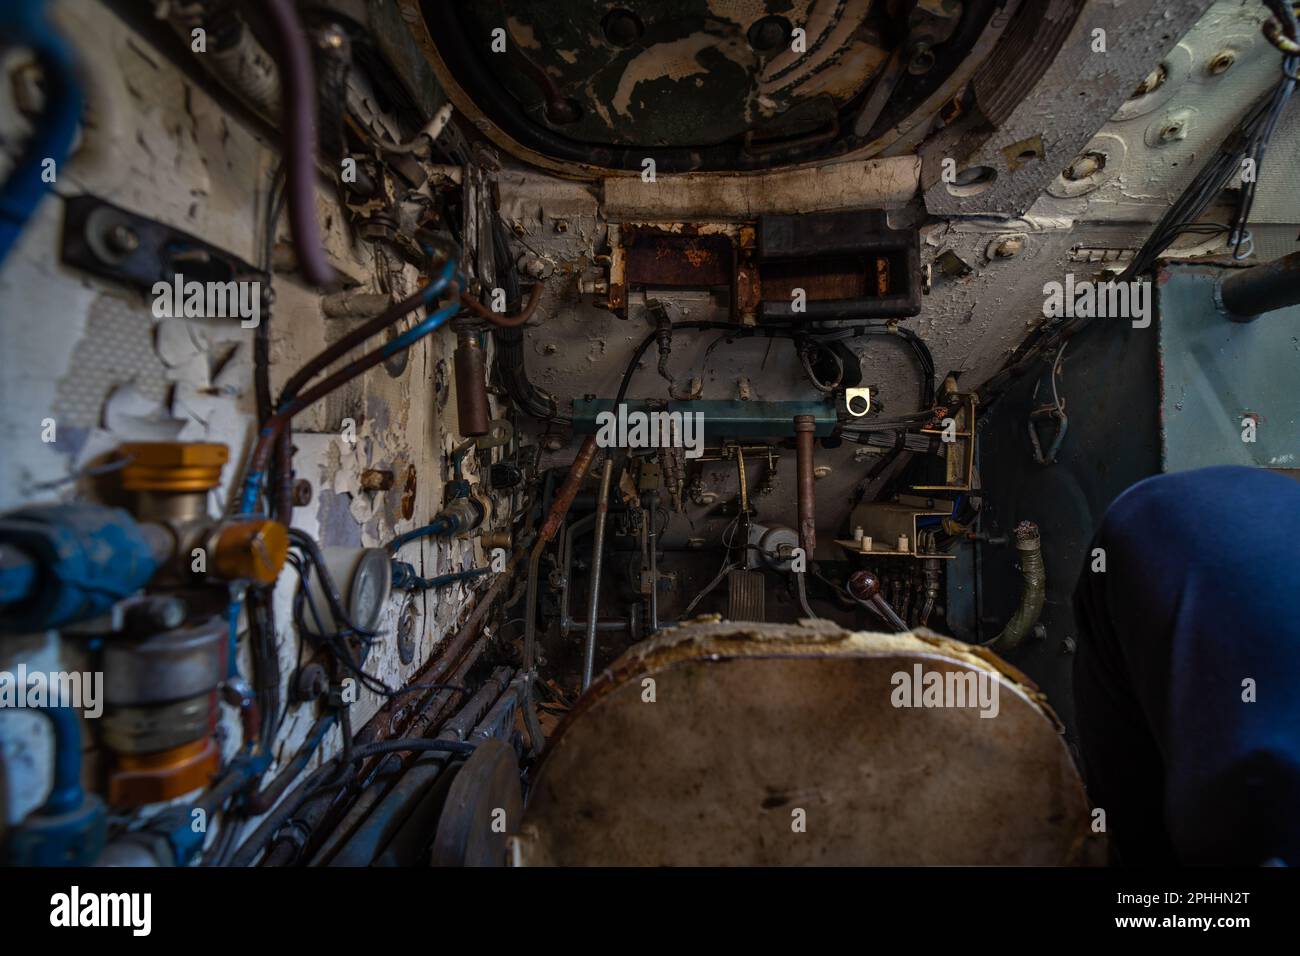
(804, 428)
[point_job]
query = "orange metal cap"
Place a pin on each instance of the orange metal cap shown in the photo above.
(173, 466)
(254, 549)
(139, 779)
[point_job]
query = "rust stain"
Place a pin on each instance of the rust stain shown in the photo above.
(408, 493)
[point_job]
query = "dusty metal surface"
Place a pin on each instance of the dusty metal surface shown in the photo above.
(751, 724)
(1091, 76)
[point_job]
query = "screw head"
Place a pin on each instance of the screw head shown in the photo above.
(122, 238)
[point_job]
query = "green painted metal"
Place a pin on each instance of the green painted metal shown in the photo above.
(1216, 374)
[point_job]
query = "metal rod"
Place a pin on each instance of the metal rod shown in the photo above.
(597, 554)
(652, 543)
(804, 427)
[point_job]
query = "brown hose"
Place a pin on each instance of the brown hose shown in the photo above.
(298, 126)
(504, 321)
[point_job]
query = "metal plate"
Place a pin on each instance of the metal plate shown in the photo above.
(752, 722)
(1216, 372)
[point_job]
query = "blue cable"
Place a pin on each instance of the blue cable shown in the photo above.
(23, 24)
(412, 335)
(253, 480)
(65, 794)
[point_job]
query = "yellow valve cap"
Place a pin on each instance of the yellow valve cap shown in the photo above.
(253, 549)
(172, 465)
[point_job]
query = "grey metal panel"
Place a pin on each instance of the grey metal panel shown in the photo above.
(1216, 373)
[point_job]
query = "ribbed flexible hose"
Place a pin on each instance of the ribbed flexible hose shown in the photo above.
(1029, 545)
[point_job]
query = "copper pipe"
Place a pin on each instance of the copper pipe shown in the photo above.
(554, 519)
(597, 555)
(568, 491)
(804, 428)
(500, 320)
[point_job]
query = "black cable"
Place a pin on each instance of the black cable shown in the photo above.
(818, 334)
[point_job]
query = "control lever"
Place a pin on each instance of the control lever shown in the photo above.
(864, 587)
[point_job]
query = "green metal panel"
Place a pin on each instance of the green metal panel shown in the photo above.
(1215, 373)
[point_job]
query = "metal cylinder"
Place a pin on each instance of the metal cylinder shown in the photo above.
(471, 384)
(597, 554)
(804, 428)
(1247, 294)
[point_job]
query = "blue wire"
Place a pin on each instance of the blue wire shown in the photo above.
(23, 24)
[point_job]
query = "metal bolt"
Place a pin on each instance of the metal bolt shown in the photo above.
(301, 493)
(1008, 248)
(1222, 62)
(1087, 165)
(920, 59)
(1154, 80)
(821, 471)
(122, 238)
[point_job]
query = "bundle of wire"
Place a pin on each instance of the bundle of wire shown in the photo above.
(1242, 153)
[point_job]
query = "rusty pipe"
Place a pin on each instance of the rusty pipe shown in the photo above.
(554, 518)
(471, 383)
(568, 491)
(597, 554)
(804, 427)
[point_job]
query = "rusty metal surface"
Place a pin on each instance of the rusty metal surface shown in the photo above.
(1061, 110)
(752, 722)
(654, 258)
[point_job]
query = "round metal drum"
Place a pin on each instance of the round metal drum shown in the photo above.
(741, 744)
